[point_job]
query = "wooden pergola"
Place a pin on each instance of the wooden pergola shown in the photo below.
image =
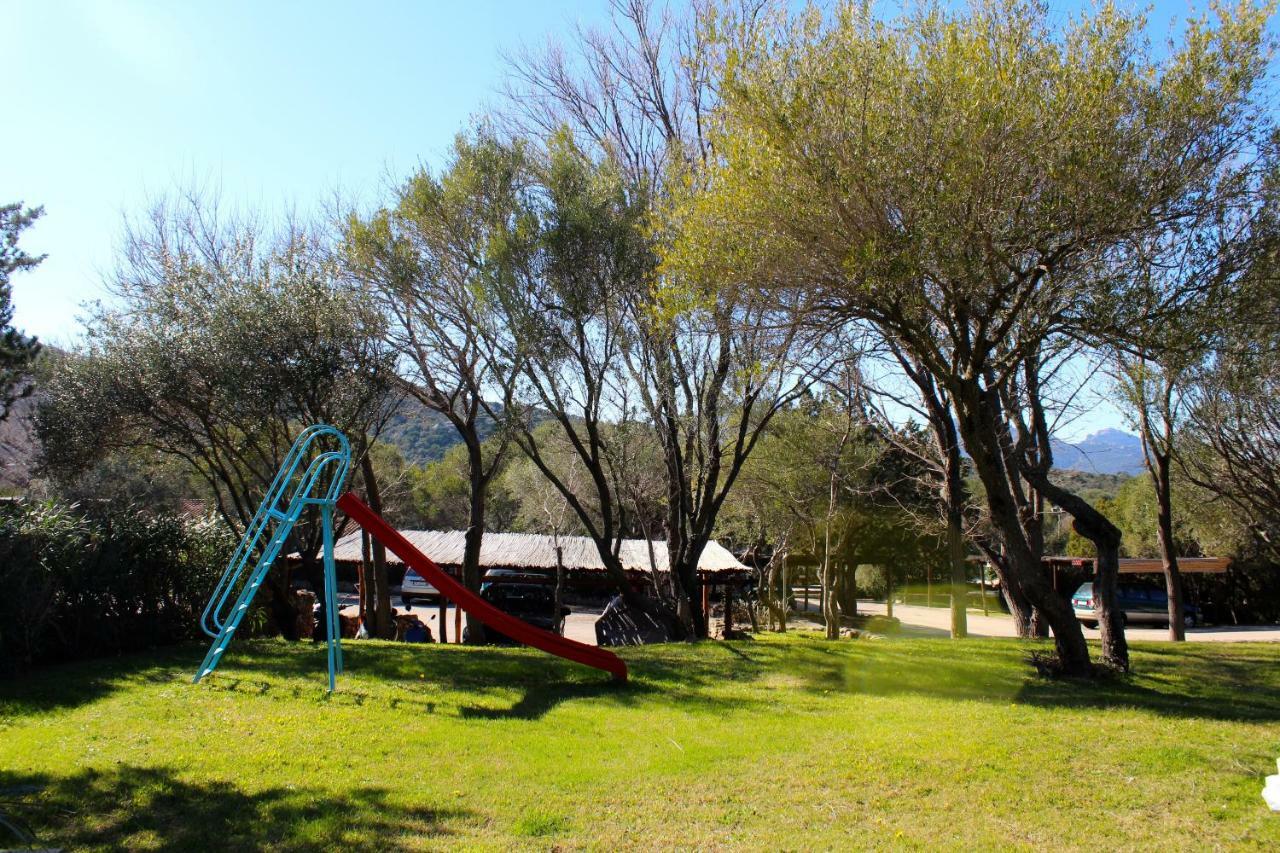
(1075, 569)
(1145, 565)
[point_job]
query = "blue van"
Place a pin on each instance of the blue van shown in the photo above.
(1141, 606)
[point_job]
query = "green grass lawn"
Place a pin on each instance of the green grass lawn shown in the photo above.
(781, 742)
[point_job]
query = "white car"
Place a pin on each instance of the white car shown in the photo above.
(415, 588)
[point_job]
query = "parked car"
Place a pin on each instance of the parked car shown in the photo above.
(509, 576)
(530, 602)
(415, 588)
(1140, 605)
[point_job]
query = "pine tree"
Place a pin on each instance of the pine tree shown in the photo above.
(17, 351)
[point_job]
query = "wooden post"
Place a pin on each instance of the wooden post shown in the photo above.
(444, 619)
(706, 605)
(728, 610)
(457, 622)
(982, 585)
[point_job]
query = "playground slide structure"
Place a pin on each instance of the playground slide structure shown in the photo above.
(317, 483)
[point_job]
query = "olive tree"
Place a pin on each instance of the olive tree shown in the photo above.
(427, 261)
(1230, 439)
(574, 246)
(709, 361)
(960, 180)
(221, 342)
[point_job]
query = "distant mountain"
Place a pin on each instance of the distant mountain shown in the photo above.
(423, 435)
(1108, 451)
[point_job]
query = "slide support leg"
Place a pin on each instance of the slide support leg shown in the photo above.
(333, 628)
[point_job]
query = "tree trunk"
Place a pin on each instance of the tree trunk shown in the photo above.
(685, 584)
(846, 591)
(980, 414)
(1019, 609)
(830, 610)
(1033, 522)
(368, 608)
(1105, 536)
(559, 594)
(283, 606)
(888, 591)
(953, 497)
(1115, 648)
(689, 583)
(959, 586)
(784, 606)
(1168, 550)
(384, 625)
(471, 571)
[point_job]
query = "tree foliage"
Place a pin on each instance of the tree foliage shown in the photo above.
(962, 181)
(222, 342)
(17, 351)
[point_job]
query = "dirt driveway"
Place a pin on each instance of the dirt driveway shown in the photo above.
(937, 620)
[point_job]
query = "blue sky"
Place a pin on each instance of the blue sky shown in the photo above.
(276, 104)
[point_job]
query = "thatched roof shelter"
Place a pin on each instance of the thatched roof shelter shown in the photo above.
(537, 553)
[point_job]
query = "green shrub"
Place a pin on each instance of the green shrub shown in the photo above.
(37, 542)
(871, 581)
(88, 583)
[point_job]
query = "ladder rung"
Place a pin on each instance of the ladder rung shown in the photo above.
(275, 513)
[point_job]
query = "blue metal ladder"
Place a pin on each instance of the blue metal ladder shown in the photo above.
(292, 491)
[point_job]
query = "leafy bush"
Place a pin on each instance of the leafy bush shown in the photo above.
(88, 583)
(871, 580)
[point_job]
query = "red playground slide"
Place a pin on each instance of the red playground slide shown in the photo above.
(516, 629)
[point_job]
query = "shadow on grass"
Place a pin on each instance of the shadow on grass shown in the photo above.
(430, 678)
(538, 699)
(409, 677)
(1216, 684)
(82, 682)
(1192, 681)
(134, 807)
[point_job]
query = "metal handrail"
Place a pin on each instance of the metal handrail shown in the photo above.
(212, 619)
